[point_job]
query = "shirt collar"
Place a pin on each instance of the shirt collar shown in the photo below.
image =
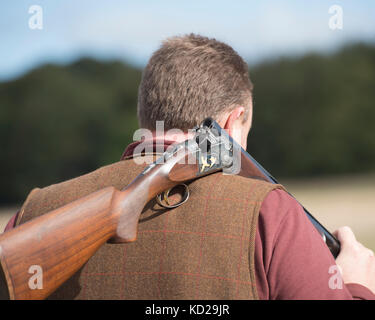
(155, 142)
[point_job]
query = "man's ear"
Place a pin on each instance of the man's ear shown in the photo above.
(232, 119)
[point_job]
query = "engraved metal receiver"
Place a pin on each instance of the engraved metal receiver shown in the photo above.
(208, 150)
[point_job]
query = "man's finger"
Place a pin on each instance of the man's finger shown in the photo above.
(345, 235)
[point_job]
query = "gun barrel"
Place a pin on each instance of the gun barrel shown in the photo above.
(249, 167)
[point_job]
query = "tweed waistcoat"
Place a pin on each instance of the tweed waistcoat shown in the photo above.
(203, 249)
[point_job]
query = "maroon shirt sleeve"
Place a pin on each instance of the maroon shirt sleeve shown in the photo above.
(291, 259)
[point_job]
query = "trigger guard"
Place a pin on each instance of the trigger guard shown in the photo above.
(165, 195)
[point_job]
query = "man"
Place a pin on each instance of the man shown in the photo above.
(235, 238)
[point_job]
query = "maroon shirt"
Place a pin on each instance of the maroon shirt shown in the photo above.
(291, 259)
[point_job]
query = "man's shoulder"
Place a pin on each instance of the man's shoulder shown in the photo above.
(48, 198)
(278, 205)
(115, 174)
(233, 187)
(121, 173)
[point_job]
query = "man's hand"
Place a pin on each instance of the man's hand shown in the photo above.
(357, 262)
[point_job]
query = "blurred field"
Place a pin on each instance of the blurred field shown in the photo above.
(335, 202)
(340, 201)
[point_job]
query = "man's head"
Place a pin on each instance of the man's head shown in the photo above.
(193, 77)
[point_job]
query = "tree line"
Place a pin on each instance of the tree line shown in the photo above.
(313, 115)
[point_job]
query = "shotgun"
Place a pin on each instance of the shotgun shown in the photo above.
(62, 241)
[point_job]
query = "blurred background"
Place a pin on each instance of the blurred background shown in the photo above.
(69, 74)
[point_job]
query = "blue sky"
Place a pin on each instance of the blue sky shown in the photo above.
(132, 30)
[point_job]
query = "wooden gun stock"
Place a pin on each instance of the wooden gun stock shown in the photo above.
(59, 242)
(62, 241)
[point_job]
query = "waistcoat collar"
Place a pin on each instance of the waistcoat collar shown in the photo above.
(157, 145)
